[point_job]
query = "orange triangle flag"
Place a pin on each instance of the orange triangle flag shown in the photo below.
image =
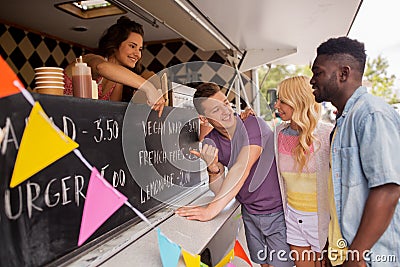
(226, 259)
(42, 144)
(7, 78)
(190, 260)
(239, 252)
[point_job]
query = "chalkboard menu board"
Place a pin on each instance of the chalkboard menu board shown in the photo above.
(144, 157)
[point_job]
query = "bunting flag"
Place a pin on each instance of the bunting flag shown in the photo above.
(230, 265)
(239, 252)
(169, 251)
(190, 260)
(42, 144)
(203, 265)
(102, 200)
(7, 78)
(227, 259)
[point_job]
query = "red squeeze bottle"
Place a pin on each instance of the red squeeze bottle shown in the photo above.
(81, 79)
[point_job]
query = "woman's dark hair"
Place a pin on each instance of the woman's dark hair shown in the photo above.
(112, 39)
(116, 34)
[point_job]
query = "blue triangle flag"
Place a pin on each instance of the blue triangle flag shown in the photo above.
(169, 251)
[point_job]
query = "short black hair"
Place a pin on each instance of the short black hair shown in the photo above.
(204, 91)
(344, 49)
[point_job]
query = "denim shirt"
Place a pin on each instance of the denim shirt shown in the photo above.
(365, 154)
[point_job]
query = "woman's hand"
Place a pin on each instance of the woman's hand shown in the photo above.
(246, 113)
(156, 100)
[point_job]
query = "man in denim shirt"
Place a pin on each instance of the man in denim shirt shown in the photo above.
(364, 150)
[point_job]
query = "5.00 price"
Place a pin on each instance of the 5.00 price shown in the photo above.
(110, 132)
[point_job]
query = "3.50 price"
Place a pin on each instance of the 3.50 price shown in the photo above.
(110, 132)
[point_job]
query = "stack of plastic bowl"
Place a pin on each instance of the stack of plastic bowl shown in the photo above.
(49, 80)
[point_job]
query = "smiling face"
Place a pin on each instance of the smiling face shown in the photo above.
(130, 50)
(325, 79)
(218, 111)
(285, 111)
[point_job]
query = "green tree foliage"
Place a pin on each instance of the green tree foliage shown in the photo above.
(270, 76)
(277, 73)
(377, 78)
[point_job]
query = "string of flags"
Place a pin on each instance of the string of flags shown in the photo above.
(41, 134)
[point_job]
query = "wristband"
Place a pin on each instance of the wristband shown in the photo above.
(218, 172)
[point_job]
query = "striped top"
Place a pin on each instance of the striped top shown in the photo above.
(301, 187)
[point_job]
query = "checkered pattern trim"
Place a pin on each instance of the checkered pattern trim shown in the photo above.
(157, 57)
(24, 51)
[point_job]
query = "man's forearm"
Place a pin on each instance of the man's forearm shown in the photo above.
(378, 213)
(230, 187)
(235, 177)
(216, 179)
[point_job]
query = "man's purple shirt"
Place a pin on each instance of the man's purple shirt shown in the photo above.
(260, 194)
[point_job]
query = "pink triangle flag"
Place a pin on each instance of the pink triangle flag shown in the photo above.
(102, 200)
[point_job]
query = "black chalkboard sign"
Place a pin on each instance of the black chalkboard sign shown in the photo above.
(144, 157)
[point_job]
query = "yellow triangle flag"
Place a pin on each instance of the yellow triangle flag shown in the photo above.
(42, 144)
(191, 260)
(226, 259)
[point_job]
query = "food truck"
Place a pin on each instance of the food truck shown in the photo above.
(143, 161)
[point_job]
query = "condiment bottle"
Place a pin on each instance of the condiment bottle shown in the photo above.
(95, 90)
(81, 79)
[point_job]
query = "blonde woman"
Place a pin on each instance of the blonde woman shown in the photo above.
(302, 154)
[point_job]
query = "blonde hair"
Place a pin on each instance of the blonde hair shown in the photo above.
(297, 93)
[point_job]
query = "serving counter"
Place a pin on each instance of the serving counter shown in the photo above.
(138, 246)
